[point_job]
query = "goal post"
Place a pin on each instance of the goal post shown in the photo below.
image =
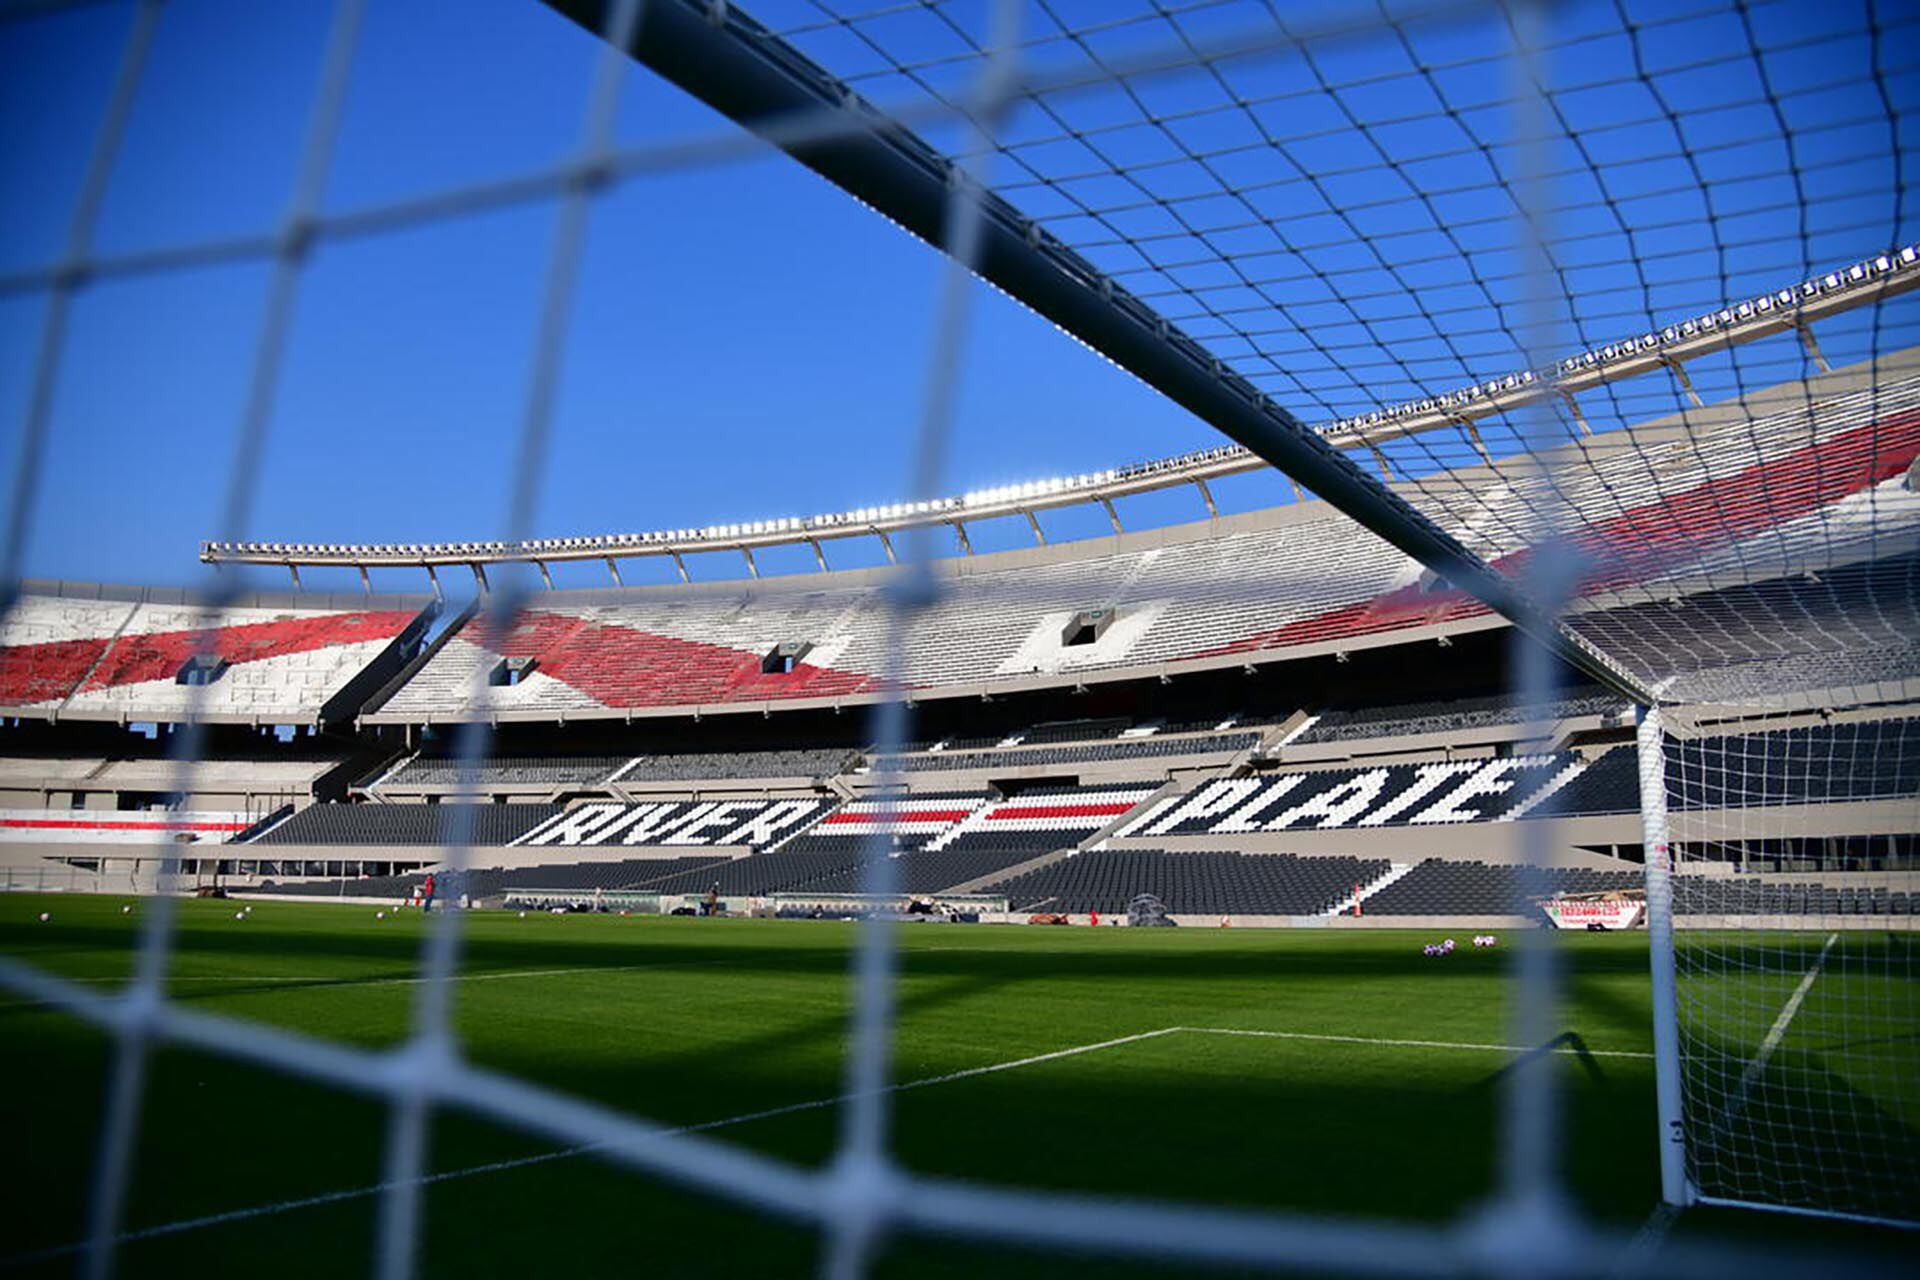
(1656, 840)
(1779, 862)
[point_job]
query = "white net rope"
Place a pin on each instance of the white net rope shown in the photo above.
(864, 1194)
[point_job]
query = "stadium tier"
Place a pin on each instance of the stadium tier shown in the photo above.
(1200, 883)
(1804, 490)
(82, 653)
(755, 823)
(1458, 791)
(1021, 756)
(1455, 715)
(1440, 887)
(440, 772)
(406, 824)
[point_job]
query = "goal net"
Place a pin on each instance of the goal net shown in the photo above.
(1796, 993)
(1528, 292)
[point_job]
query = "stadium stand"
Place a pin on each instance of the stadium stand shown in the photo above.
(1021, 756)
(142, 658)
(1105, 880)
(1449, 716)
(907, 822)
(1819, 764)
(404, 824)
(1249, 587)
(1446, 887)
(1044, 819)
(693, 766)
(758, 824)
(1459, 791)
(1729, 896)
(1071, 731)
(432, 771)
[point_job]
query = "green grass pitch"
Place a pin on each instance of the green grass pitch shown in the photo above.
(691, 1022)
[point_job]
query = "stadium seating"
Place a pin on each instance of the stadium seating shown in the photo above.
(1447, 792)
(906, 822)
(1444, 887)
(1728, 896)
(1279, 884)
(1044, 819)
(692, 766)
(1831, 763)
(1449, 716)
(439, 771)
(111, 659)
(1022, 756)
(759, 824)
(405, 824)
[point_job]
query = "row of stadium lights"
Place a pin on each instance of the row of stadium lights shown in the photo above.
(982, 501)
(1754, 308)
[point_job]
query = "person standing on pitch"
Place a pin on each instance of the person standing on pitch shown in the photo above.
(426, 894)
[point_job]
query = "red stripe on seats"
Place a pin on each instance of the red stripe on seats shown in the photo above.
(160, 655)
(623, 667)
(1648, 540)
(900, 815)
(1062, 811)
(46, 671)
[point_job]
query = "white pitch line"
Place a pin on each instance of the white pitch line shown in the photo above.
(768, 1113)
(1409, 1044)
(1778, 1031)
(521, 1162)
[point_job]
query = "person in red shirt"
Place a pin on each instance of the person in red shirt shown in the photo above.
(426, 894)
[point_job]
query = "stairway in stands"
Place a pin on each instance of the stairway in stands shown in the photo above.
(1394, 873)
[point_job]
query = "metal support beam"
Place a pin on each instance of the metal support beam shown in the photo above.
(1679, 372)
(480, 575)
(1039, 534)
(741, 69)
(1473, 433)
(545, 576)
(886, 545)
(1112, 515)
(1579, 418)
(433, 576)
(1812, 344)
(366, 583)
(681, 565)
(752, 568)
(819, 553)
(966, 543)
(1206, 496)
(294, 571)
(613, 570)
(1386, 472)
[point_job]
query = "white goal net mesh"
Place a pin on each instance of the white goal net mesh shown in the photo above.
(1484, 317)
(1794, 883)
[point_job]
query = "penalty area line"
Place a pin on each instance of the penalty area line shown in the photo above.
(545, 1157)
(1385, 1043)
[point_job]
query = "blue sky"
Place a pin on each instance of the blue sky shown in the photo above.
(750, 343)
